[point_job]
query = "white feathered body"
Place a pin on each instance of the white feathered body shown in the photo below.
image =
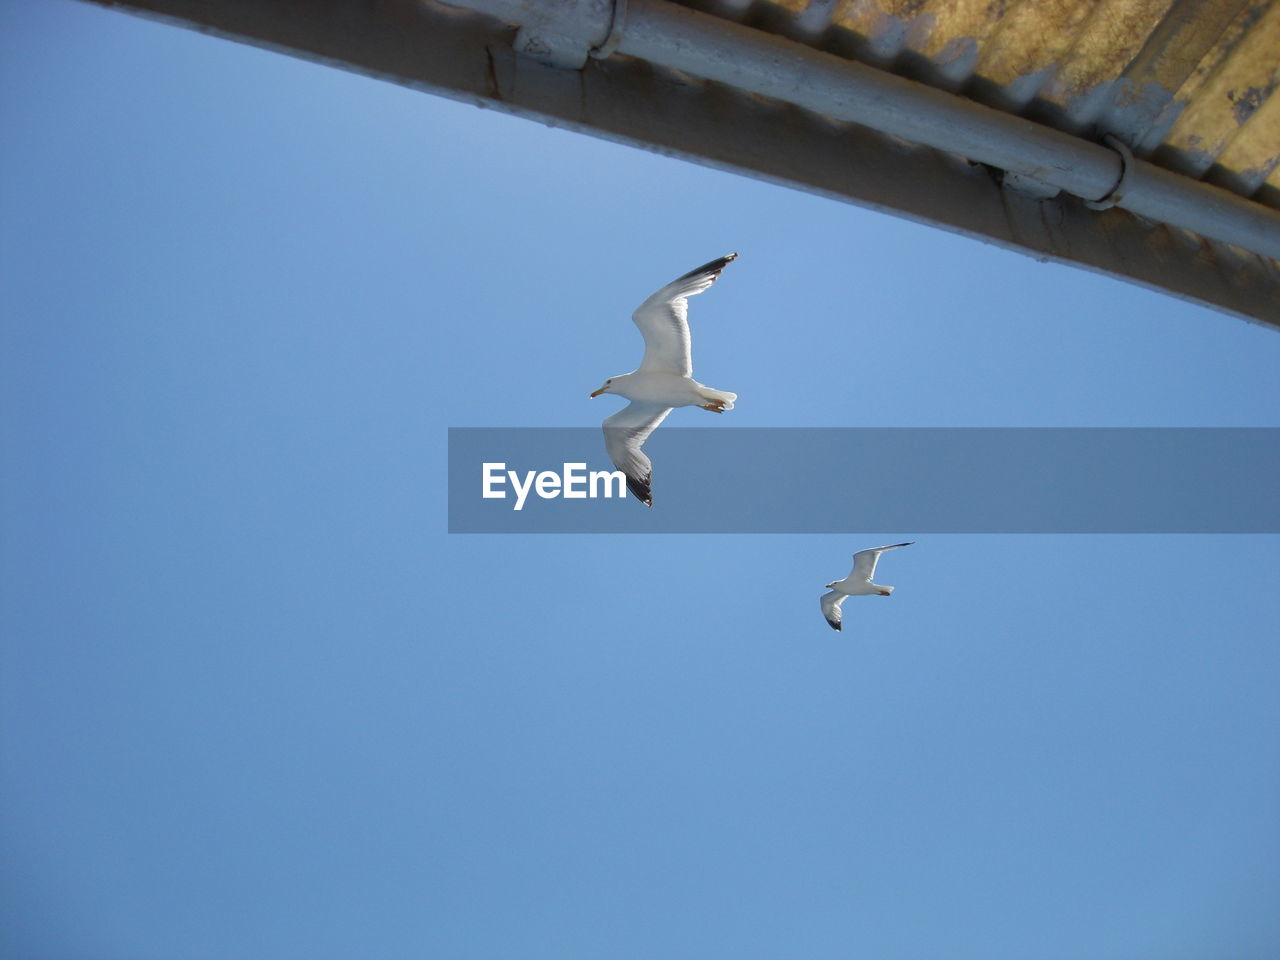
(668, 390)
(851, 587)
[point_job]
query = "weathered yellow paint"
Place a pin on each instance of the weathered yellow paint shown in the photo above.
(1235, 32)
(1227, 99)
(1248, 160)
(1105, 44)
(1032, 38)
(1187, 82)
(949, 22)
(1182, 41)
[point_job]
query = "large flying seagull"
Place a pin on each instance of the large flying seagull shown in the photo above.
(664, 379)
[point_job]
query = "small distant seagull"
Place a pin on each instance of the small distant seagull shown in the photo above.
(664, 379)
(857, 583)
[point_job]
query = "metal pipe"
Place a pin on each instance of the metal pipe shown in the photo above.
(704, 46)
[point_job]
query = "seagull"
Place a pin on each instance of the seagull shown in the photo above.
(663, 380)
(857, 583)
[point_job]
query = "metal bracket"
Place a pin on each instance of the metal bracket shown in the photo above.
(617, 21)
(1126, 165)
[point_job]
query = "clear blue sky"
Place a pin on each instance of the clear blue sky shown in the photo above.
(255, 702)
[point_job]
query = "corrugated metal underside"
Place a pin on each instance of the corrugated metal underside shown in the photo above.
(1086, 67)
(1188, 84)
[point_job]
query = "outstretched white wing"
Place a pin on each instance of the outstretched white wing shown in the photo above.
(624, 434)
(831, 602)
(864, 561)
(663, 319)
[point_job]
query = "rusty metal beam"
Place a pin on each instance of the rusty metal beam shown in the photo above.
(470, 57)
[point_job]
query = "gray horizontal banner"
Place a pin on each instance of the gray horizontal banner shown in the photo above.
(869, 480)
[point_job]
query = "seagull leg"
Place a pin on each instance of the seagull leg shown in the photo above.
(715, 406)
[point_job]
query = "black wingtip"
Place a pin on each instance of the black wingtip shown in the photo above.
(835, 626)
(714, 266)
(640, 487)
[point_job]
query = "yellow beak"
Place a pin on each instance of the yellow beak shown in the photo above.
(598, 392)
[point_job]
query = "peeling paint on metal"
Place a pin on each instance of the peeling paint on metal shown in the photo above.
(1249, 160)
(1246, 102)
